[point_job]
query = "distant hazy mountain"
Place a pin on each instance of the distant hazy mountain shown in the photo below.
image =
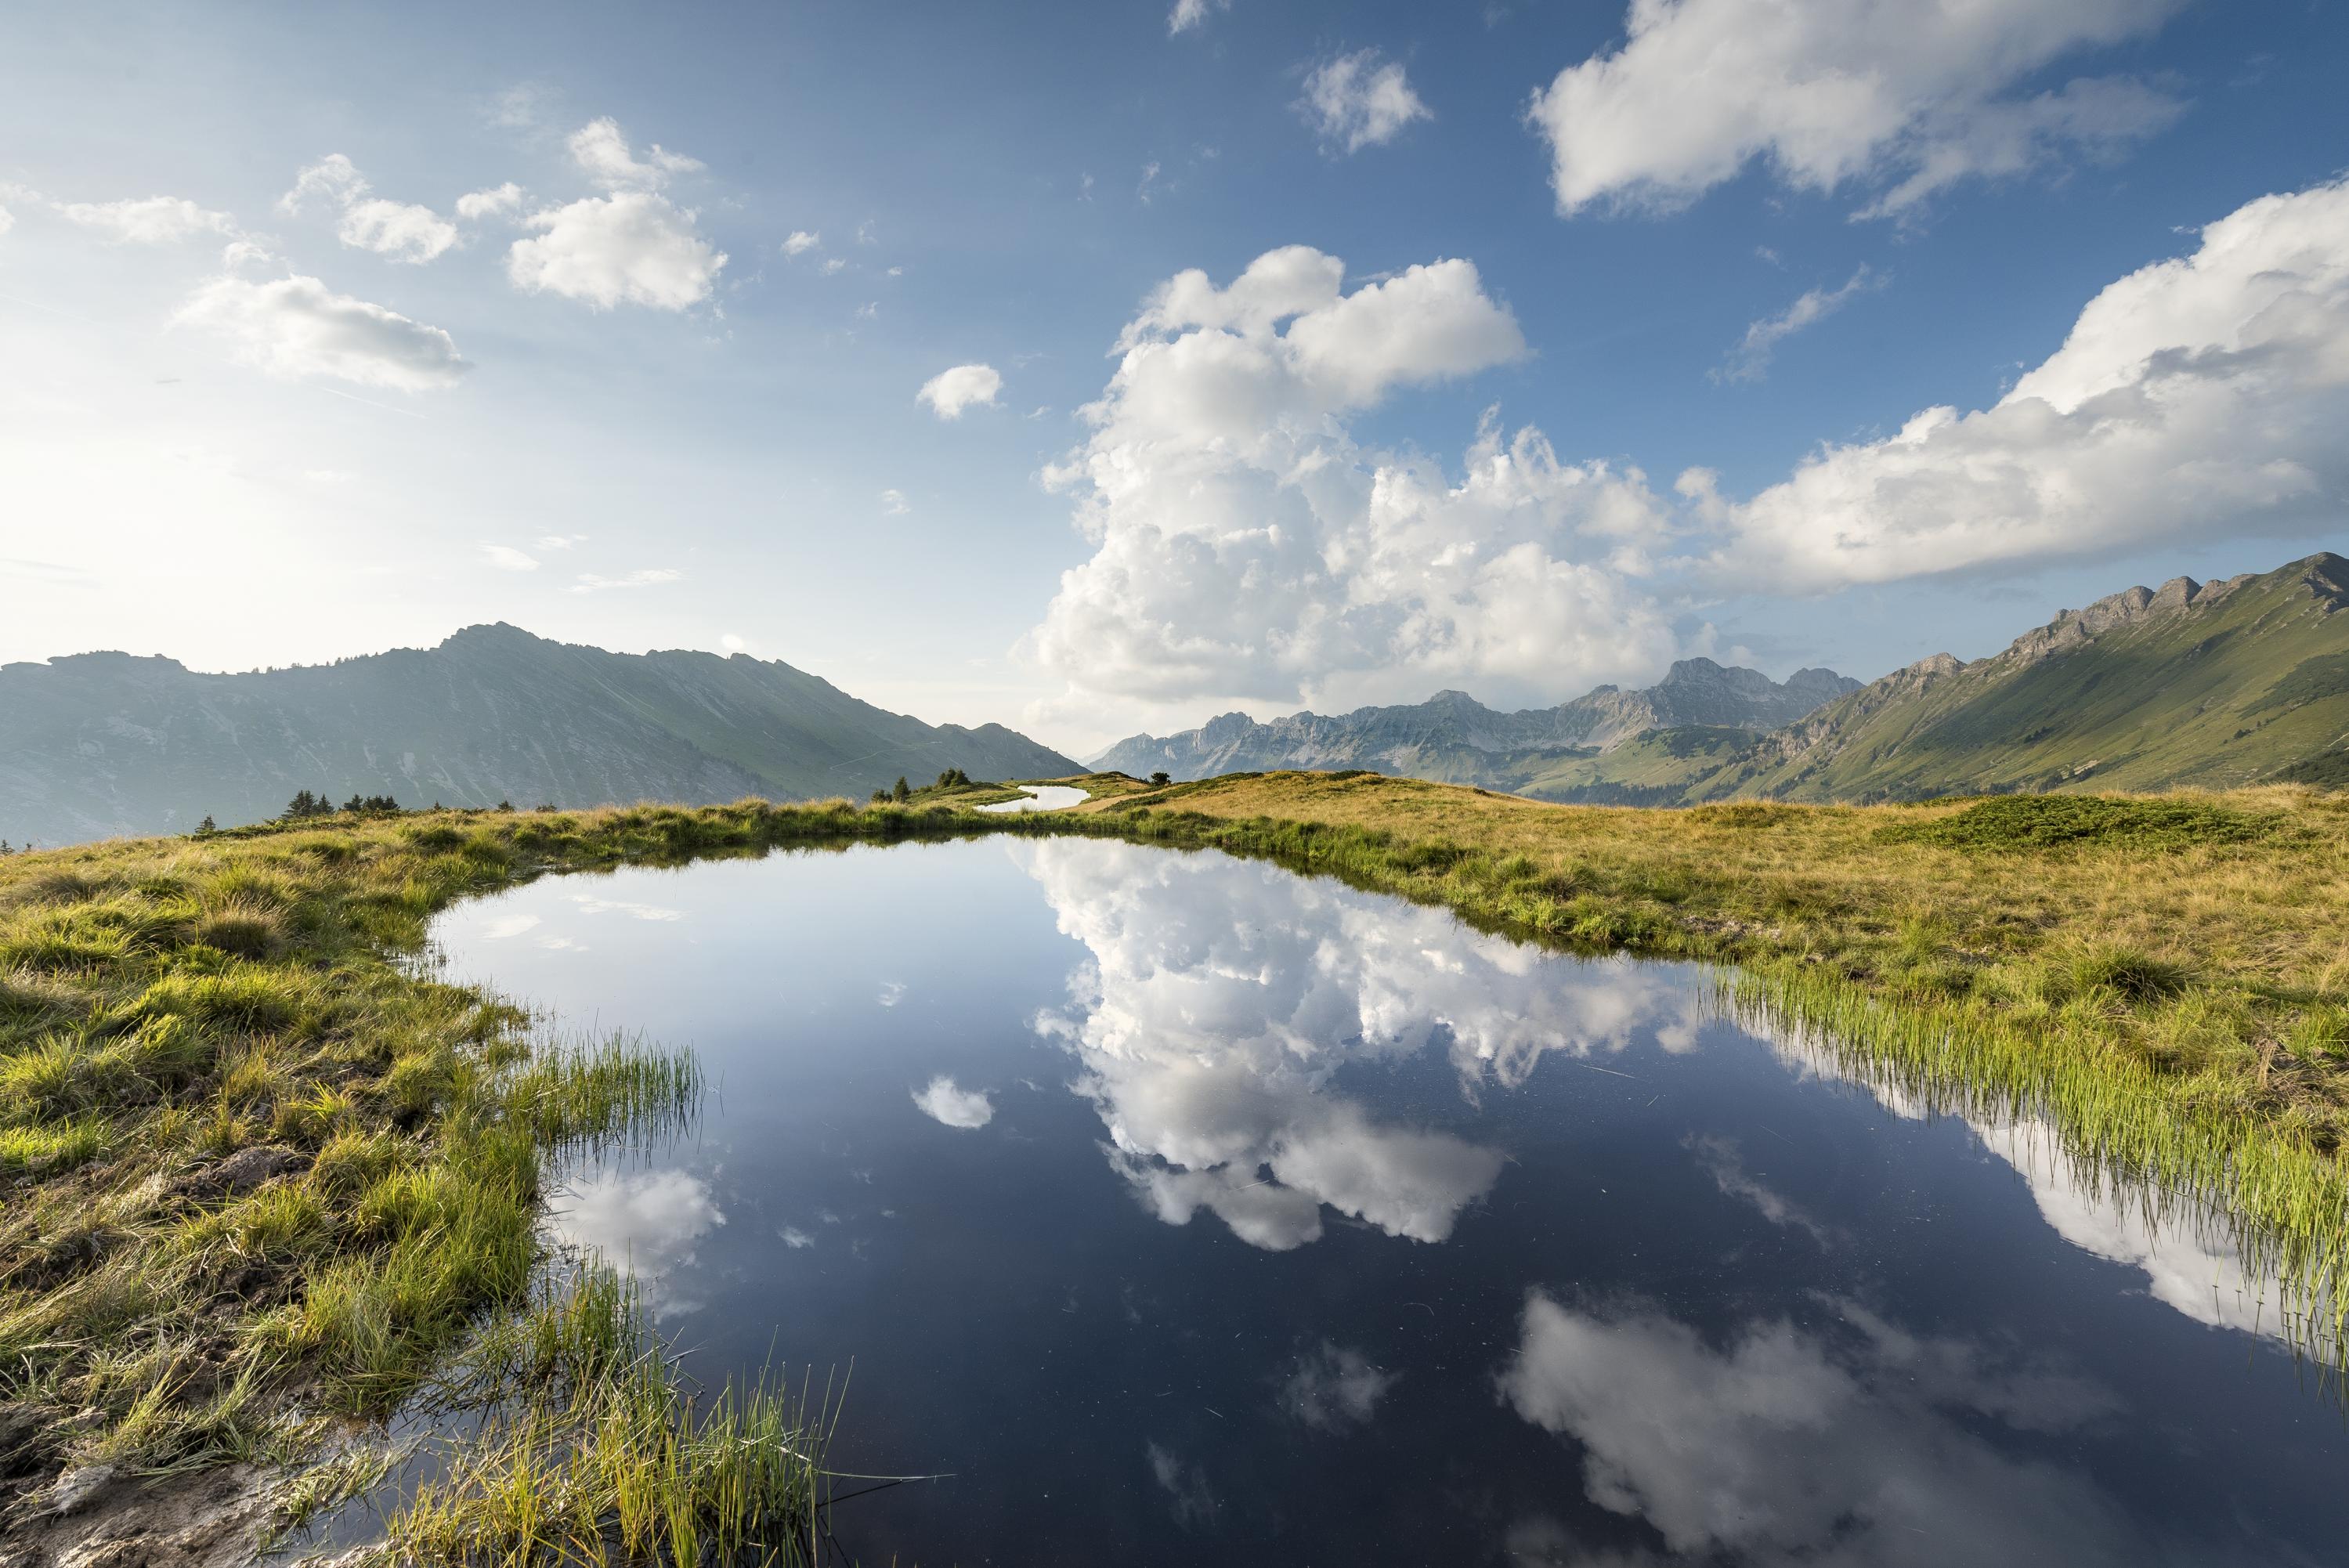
(97, 744)
(1452, 737)
(2240, 682)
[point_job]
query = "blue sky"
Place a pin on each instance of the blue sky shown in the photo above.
(246, 430)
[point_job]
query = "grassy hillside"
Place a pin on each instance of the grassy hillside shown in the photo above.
(259, 1170)
(2204, 686)
(2235, 683)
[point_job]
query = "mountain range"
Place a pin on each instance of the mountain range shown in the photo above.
(104, 743)
(2237, 682)
(1454, 737)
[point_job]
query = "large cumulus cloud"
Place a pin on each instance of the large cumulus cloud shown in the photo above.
(1247, 548)
(2198, 396)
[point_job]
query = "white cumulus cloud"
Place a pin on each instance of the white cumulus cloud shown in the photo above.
(1827, 92)
(949, 392)
(800, 241)
(1359, 101)
(632, 247)
(601, 151)
(404, 230)
(2201, 392)
(494, 202)
(1247, 548)
(148, 219)
(298, 327)
(943, 1102)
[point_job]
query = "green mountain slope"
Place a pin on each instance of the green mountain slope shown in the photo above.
(104, 743)
(2240, 682)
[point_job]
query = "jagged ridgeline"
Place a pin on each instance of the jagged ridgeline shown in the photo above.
(2244, 681)
(1453, 737)
(97, 744)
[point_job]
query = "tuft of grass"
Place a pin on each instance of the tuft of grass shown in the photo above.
(2017, 823)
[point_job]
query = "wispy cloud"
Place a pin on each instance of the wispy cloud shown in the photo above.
(646, 577)
(1750, 360)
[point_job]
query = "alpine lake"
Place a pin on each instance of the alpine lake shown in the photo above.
(1172, 1208)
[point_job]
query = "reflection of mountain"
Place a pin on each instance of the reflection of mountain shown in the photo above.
(2189, 1263)
(1221, 996)
(1850, 1443)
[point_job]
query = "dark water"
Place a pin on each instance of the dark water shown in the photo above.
(1191, 1211)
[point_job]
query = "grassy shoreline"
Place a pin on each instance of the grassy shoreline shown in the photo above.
(261, 1170)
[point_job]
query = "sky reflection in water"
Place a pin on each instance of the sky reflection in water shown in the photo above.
(1190, 1210)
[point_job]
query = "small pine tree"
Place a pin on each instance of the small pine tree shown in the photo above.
(902, 792)
(505, 805)
(207, 825)
(880, 797)
(1160, 778)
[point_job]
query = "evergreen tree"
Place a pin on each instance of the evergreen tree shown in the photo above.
(207, 825)
(1160, 778)
(880, 797)
(904, 791)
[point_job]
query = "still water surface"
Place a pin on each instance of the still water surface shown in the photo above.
(1189, 1211)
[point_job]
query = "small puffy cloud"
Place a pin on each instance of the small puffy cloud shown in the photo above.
(894, 503)
(949, 392)
(1359, 101)
(603, 154)
(506, 558)
(800, 241)
(1827, 92)
(1189, 14)
(298, 327)
(497, 201)
(833, 266)
(2197, 397)
(645, 577)
(334, 178)
(1750, 360)
(402, 230)
(632, 247)
(943, 1102)
(148, 221)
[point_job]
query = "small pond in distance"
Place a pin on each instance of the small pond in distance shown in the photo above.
(1041, 798)
(1190, 1211)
